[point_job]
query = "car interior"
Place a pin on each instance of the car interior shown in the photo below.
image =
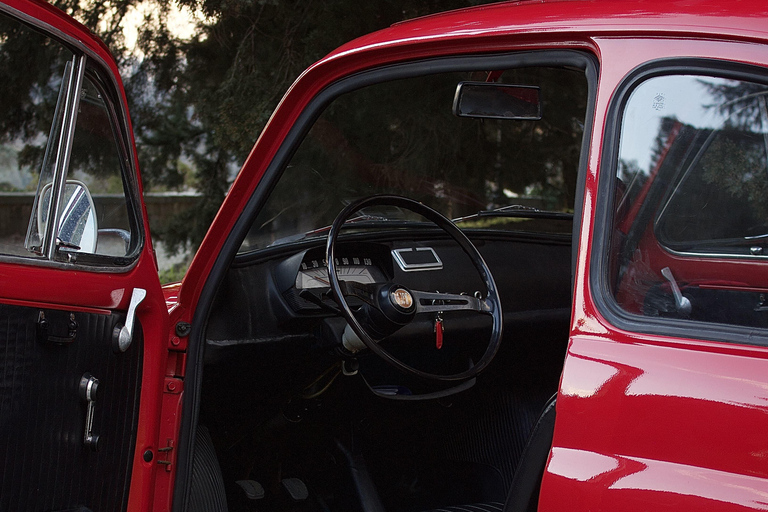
(430, 384)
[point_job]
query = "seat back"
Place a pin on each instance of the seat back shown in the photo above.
(523, 495)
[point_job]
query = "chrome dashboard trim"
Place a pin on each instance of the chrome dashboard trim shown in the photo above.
(397, 254)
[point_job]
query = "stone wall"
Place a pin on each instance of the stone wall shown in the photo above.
(16, 207)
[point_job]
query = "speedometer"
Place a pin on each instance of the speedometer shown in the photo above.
(317, 277)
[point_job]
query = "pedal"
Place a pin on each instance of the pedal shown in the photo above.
(295, 488)
(253, 489)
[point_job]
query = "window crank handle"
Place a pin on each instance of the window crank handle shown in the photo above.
(682, 304)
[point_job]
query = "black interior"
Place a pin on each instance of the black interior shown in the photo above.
(278, 405)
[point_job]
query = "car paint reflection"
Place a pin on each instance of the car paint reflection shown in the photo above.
(697, 486)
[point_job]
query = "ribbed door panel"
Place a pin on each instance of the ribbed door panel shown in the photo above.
(44, 464)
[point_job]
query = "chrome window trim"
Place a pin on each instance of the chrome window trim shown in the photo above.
(63, 154)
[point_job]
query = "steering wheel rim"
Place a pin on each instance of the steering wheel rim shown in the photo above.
(491, 304)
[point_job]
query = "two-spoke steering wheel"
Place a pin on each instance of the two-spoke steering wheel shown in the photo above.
(390, 306)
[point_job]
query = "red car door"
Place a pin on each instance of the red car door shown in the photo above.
(663, 396)
(82, 316)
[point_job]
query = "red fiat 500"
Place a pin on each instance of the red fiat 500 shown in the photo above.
(504, 259)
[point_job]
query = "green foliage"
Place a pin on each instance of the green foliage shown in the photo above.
(174, 274)
(736, 164)
(401, 137)
(204, 101)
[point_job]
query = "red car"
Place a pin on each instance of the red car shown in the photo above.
(508, 258)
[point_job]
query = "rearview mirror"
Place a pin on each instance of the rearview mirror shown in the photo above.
(487, 100)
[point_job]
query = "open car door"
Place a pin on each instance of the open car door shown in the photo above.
(81, 309)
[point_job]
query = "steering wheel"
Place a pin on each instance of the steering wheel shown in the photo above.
(387, 307)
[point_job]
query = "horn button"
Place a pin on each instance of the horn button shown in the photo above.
(402, 299)
(394, 308)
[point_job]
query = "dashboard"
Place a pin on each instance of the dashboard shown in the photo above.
(282, 297)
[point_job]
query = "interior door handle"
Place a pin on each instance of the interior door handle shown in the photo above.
(682, 304)
(122, 337)
(44, 336)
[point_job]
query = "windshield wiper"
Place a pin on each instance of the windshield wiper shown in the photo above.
(518, 211)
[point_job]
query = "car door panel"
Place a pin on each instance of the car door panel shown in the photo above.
(47, 465)
(657, 409)
(634, 418)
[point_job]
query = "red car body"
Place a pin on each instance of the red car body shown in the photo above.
(644, 421)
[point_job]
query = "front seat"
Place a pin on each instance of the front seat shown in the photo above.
(523, 495)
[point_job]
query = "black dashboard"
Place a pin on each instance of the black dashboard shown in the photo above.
(282, 297)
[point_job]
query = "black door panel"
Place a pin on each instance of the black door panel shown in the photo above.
(47, 465)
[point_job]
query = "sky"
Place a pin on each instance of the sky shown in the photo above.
(682, 97)
(181, 21)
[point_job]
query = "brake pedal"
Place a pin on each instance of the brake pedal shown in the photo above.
(253, 489)
(295, 488)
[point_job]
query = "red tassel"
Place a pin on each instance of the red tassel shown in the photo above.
(439, 333)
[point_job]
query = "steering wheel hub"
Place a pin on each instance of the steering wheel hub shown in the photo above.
(402, 299)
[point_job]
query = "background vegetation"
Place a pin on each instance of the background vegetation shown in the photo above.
(199, 104)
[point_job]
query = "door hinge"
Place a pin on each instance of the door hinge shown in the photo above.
(174, 366)
(173, 393)
(164, 455)
(173, 386)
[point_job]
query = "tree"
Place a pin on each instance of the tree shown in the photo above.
(205, 100)
(199, 104)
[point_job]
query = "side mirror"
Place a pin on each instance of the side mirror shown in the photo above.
(488, 100)
(78, 229)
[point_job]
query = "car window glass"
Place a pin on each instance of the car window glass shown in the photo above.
(690, 220)
(96, 162)
(32, 67)
(401, 137)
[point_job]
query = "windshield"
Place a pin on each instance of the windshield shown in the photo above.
(401, 137)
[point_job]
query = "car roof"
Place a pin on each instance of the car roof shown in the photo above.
(735, 19)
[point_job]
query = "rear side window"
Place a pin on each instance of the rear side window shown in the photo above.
(690, 219)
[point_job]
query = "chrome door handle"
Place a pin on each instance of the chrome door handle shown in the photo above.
(122, 337)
